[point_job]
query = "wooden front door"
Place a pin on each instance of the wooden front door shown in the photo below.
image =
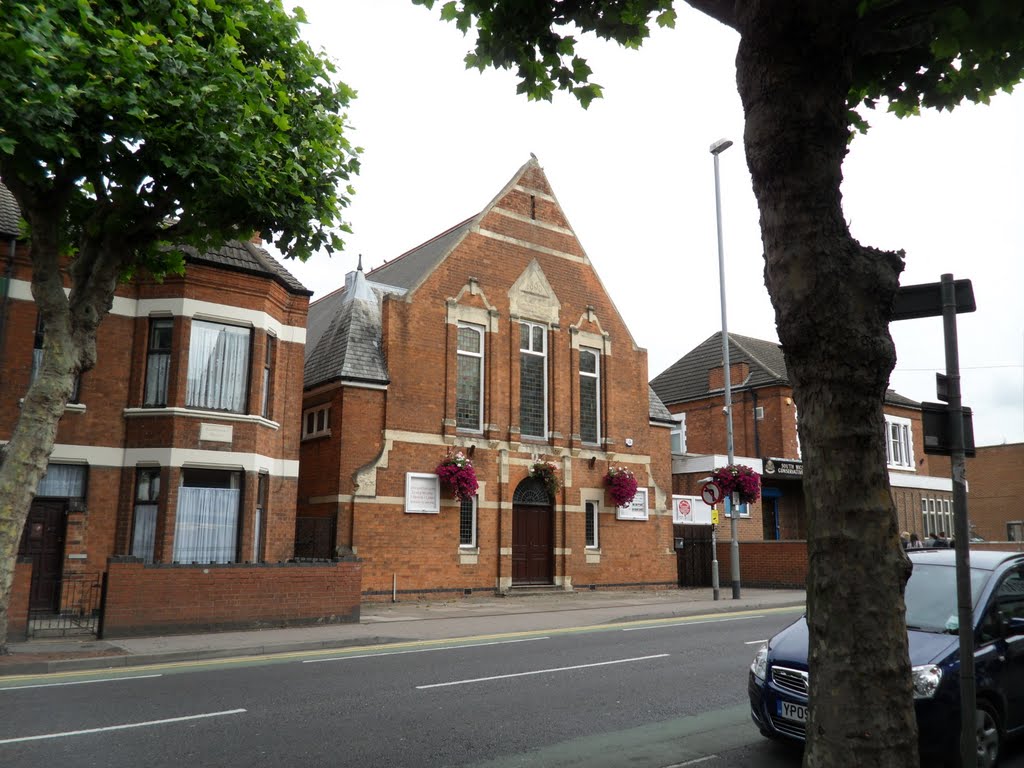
(43, 541)
(532, 551)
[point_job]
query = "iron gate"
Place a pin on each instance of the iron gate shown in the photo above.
(693, 558)
(77, 612)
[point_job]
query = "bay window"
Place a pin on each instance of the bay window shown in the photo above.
(206, 524)
(218, 367)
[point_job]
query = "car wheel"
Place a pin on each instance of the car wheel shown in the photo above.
(989, 736)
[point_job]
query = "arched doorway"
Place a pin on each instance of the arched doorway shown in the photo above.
(532, 534)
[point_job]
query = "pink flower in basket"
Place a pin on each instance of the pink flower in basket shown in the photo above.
(739, 479)
(621, 484)
(456, 471)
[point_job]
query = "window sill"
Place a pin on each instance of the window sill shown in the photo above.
(316, 436)
(592, 555)
(193, 413)
(469, 555)
(68, 408)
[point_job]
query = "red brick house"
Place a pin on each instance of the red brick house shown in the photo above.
(182, 445)
(495, 339)
(765, 438)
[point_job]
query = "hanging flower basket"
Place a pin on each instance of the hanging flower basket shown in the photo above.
(739, 479)
(456, 471)
(548, 472)
(621, 484)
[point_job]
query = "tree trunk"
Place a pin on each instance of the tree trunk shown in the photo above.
(832, 300)
(69, 348)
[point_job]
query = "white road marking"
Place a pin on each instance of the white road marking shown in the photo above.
(693, 762)
(122, 727)
(77, 682)
(541, 671)
(423, 650)
(684, 623)
(755, 642)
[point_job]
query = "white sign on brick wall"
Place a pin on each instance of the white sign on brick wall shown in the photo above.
(422, 493)
(690, 510)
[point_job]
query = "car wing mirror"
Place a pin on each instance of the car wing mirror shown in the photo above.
(1015, 626)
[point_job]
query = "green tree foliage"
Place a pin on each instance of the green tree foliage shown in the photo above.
(804, 69)
(130, 127)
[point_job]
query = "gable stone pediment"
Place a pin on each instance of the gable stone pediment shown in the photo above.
(531, 296)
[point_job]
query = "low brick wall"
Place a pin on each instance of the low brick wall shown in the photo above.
(783, 564)
(772, 564)
(17, 609)
(176, 599)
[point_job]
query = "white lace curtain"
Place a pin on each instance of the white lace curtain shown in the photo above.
(206, 528)
(218, 367)
(144, 537)
(63, 480)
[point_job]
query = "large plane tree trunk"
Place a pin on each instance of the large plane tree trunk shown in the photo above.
(832, 299)
(69, 348)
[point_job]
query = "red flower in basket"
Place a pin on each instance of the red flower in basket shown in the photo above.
(739, 479)
(456, 471)
(621, 484)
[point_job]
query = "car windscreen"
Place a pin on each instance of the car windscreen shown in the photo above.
(931, 596)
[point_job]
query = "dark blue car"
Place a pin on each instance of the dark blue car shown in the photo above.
(778, 675)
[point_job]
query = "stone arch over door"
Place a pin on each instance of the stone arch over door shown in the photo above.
(533, 534)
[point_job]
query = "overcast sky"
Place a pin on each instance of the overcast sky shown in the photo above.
(635, 179)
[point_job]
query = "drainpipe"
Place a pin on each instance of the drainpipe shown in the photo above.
(8, 272)
(757, 436)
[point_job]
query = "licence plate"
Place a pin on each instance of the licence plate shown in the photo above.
(790, 711)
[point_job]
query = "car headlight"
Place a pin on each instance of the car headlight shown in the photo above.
(926, 680)
(759, 666)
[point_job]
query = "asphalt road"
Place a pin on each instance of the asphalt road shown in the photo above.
(644, 694)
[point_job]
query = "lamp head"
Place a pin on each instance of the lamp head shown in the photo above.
(720, 146)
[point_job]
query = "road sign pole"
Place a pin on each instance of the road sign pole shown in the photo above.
(714, 562)
(961, 534)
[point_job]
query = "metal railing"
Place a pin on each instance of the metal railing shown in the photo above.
(79, 609)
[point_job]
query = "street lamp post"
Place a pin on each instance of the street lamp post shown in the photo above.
(734, 546)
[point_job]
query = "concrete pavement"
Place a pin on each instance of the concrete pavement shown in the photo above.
(396, 622)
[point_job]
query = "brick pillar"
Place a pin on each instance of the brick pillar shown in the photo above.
(17, 610)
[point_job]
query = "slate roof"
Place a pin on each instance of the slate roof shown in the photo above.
(10, 213)
(343, 337)
(249, 258)
(687, 378)
(656, 409)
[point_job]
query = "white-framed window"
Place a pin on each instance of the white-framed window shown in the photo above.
(467, 522)
(469, 386)
(63, 481)
(316, 421)
(533, 380)
(268, 376)
(206, 524)
(727, 509)
(679, 433)
(147, 499)
(591, 509)
(899, 443)
(1015, 530)
(936, 516)
(218, 367)
(637, 510)
(759, 413)
(590, 395)
(158, 361)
